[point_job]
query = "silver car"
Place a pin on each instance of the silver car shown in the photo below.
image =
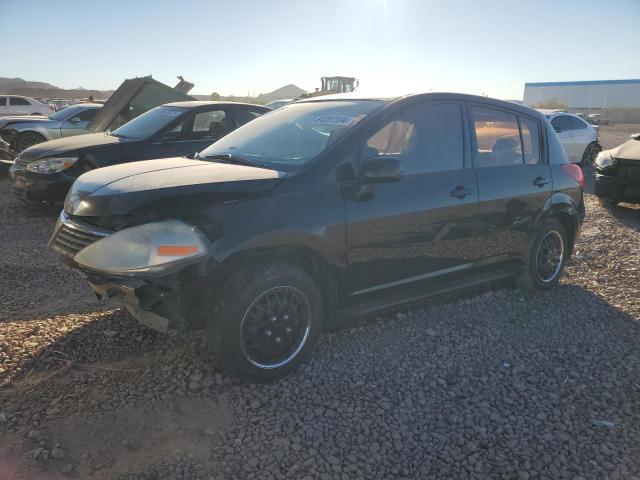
(578, 137)
(19, 133)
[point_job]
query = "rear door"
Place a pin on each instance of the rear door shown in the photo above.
(565, 129)
(514, 180)
(19, 106)
(416, 228)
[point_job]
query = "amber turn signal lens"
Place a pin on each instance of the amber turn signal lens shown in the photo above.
(176, 250)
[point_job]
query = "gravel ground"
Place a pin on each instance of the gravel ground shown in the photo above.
(504, 384)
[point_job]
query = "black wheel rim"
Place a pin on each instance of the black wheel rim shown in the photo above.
(549, 256)
(275, 327)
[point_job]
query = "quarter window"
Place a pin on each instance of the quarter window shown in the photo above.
(427, 137)
(18, 101)
(497, 138)
(530, 141)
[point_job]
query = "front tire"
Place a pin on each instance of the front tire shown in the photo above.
(28, 139)
(267, 321)
(589, 155)
(547, 256)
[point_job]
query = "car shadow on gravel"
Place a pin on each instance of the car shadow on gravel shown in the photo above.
(507, 383)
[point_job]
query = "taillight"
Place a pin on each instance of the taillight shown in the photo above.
(575, 171)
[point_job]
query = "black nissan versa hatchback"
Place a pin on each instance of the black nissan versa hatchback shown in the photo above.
(322, 209)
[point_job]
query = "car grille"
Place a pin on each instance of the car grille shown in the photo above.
(70, 237)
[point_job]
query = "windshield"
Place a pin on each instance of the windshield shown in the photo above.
(293, 134)
(66, 113)
(148, 123)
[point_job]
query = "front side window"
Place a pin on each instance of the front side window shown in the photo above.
(17, 101)
(243, 116)
(211, 124)
(497, 138)
(149, 123)
(88, 114)
(427, 137)
(294, 134)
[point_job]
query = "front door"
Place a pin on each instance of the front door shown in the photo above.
(514, 181)
(418, 227)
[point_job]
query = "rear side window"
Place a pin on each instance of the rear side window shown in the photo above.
(428, 138)
(18, 101)
(87, 115)
(530, 141)
(3, 101)
(562, 123)
(576, 123)
(498, 141)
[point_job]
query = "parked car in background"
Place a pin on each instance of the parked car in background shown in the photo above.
(19, 105)
(618, 173)
(21, 132)
(578, 137)
(598, 118)
(44, 172)
(280, 103)
(326, 208)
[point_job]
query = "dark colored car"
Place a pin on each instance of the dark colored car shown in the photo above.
(618, 173)
(323, 209)
(44, 172)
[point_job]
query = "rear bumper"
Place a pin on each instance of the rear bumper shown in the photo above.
(38, 188)
(618, 188)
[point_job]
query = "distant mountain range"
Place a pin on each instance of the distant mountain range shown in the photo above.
(19, 86)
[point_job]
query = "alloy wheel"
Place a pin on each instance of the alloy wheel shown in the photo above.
(549, 256)
(275, 327)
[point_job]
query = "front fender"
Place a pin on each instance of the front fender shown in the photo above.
(49, 133)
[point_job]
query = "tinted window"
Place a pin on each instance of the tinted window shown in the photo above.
(88, 114)
(427, 137)
(497, 138)
(211, 124)
(576, 123)
(18, 101)
(562, 123)
(3, 101)
(149, 123)
(530, 140)
(243, 116)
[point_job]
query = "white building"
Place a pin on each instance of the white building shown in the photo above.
(595, 94)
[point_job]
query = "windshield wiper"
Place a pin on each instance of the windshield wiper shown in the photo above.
(232, 159)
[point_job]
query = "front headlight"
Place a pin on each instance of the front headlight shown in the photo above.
(147, 248)
(604, 159)
(52, 165)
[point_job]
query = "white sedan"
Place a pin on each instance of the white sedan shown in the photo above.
(19, 105)
(578, 137)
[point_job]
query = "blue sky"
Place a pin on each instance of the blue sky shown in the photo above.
(393, 46)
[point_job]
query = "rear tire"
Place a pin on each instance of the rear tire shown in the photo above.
(267, 321)
(547, 255)
(589, 155)
(28, 139)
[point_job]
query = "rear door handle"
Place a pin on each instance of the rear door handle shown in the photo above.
(460, 192)
(540, 181)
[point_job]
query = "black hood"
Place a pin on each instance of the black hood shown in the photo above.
(70, 145)
(119, 189)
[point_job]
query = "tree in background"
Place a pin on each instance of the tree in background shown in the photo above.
(215, 96)
(552, 104)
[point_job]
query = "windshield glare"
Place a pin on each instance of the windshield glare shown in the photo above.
(147, 124)
(293, 134)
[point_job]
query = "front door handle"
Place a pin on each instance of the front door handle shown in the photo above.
(460, 192)
(540, 181)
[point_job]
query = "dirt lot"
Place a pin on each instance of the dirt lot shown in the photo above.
(503, 384)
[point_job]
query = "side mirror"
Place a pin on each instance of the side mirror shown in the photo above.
(171, 136)
(381, 169)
